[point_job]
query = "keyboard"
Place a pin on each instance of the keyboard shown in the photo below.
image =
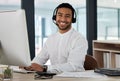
(22, 70)
(108, 71)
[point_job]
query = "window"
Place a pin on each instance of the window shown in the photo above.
(107, 24)
(10, 4)
(108, 17)
(82, 21)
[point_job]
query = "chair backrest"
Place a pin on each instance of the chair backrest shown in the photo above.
(90, 63)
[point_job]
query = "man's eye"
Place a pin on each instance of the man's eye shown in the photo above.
(67, 16)
(60, 15)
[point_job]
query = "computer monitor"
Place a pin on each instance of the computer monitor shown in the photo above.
(14, 45)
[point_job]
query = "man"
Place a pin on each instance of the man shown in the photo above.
(66, 49)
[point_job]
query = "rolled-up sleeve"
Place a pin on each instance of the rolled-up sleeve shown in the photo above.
(42, 57)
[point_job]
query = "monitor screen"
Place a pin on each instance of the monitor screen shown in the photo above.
(14, 45)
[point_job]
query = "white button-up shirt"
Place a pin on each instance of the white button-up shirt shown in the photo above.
(66, 52)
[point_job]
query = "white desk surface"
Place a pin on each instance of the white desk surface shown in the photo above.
(30, 77)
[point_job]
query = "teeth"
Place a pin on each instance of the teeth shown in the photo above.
(62, 23)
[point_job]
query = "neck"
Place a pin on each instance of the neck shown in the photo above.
(64, 31)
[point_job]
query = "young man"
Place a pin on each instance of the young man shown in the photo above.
(66, 49)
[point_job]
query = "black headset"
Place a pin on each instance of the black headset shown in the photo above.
(65, 5)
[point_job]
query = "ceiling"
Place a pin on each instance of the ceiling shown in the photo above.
(76, 3)
(53, 3)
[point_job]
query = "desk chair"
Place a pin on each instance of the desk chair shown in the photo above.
(90, 63)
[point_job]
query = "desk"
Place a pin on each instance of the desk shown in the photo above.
(30, 77)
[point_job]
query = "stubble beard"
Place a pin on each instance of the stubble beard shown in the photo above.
(65, 28)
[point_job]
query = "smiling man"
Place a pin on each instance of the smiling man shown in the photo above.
(65, 49)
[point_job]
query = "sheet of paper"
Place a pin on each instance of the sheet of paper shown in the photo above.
(90, 73)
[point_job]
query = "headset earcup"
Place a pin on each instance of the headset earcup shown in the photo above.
(73, 20)
(54, 17)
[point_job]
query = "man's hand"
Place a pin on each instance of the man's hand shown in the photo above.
(34, 67)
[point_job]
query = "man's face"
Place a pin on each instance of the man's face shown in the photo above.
(64, 19)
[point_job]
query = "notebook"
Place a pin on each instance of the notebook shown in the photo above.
(108, 71)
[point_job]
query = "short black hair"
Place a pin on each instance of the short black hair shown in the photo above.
(66, 5)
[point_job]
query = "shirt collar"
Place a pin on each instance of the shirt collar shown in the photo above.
(68, 32)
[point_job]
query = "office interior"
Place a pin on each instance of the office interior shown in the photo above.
(96, 19)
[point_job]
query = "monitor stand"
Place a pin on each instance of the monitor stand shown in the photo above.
(0, 45)
(1, 52)
(0, 49)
